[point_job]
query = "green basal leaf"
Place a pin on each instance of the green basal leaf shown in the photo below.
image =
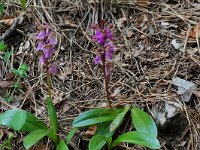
(93, 121)
(3, 46)
(32, 123)
(23, 2)
(93, 115)
(52, 115)
(118, 119)
(27, 122)
(143, 122)
(62, 146)
(19, 120)
(70, 135)
(104, 129)
(33, 137)
(137, 137)
(97, 142)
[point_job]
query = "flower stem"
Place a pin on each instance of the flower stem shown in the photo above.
(51, 112)
(106, 79)
(49, 83)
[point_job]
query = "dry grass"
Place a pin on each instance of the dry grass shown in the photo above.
(143, 61)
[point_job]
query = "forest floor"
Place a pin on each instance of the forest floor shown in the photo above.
(156, 42)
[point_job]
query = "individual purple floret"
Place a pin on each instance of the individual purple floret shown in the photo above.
(46, 44)
(97, 59)
(53, 68)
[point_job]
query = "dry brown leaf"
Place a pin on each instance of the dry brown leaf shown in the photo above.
(197, 93)
(91, 131)
(121, 21)
(57, 97)
(116, 92)
(5, 84)
(143, 3)
(195, 31)
(8, 22)
(66, 22)
(162, 82)
(39, 147)
(129, 33)
(160, 55)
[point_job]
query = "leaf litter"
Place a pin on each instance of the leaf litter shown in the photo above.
(149, 36)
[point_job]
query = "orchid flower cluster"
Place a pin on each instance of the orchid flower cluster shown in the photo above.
(103, 37)
(46, 44)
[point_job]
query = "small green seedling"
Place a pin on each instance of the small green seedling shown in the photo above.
(7, 55)
(21, 71)
(2, 5)
(3, 46)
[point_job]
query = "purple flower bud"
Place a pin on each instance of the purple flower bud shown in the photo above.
(99, 37)
(108, 55)
(109, 46)
(41, 35)
(40, 46)
(48, 52)
(42, 59)
(97, 59)
(52, 41)
(47, 30)
(108, 33)
(109, 49)
(53, 68)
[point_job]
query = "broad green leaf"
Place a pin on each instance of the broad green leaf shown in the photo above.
(19, 119)
(137, 137)
(93, 121)
(10, 118)
(33, 123)
(143, 122)
(3, 46)
(97, 142)
(62, 146)
(118, 119)
(70, 135)
(23, 2)
(104, 129)
(94, 113)
(33, 137)
(52, 115)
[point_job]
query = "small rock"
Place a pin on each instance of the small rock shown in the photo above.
(177, 45)
(167, 111)
(185, 88)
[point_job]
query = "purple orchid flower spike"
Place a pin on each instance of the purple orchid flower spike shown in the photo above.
(46, 44)
(103, 37)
